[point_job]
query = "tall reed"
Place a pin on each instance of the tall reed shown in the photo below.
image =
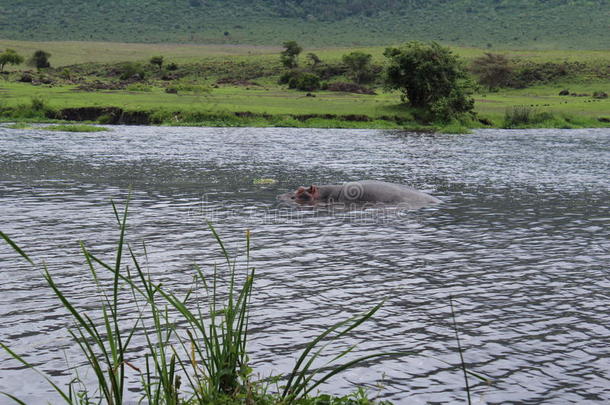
(209, 351)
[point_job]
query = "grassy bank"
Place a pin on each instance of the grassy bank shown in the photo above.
(260, 107)
(238, 86)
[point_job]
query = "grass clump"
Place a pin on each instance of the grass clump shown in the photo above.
(524, 116)
(139, 87)
(36, 109)
(20, 125)
(75, 128)
(195, 346)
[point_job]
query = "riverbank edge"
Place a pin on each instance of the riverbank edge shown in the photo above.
(159, 117)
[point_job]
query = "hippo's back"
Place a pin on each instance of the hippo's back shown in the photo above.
(383, 192)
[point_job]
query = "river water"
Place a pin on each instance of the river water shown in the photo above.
(521, 242)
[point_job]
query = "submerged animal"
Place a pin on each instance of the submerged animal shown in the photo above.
(361, 192)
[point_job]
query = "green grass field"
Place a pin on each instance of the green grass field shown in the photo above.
(264, 97)
(66, 53)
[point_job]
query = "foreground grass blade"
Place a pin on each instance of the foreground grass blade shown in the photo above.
(350, 364)
(28, 365)
(20, 402)
(457, 338)
(293, 387)
(216, 366)
(17, 248)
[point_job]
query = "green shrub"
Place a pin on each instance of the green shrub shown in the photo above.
(529, 73)
(430, 77)
(304, 81)
(523, 116)
(131, 70)
(287, 76)
(451, 107)
(38, 108)
(38, 104)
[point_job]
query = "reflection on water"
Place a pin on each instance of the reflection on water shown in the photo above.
(521, 242)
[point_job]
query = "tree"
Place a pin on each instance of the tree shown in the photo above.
(430, 77)
(290, 54)
(9, 57)
(40, 60)
(314, 60)
(493, 70)
(157, 60)
(358, 66)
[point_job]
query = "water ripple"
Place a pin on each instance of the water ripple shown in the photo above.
(520, 243)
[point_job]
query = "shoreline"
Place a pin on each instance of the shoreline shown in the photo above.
(118, 116)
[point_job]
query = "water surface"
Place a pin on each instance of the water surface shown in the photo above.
(521, 241)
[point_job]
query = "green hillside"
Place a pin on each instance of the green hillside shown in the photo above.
(532, 24)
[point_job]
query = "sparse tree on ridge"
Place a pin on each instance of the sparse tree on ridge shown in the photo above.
(314, 60)
(40, 60)
(10, 57)
(494, 70)
(290, 54)
(358, 66)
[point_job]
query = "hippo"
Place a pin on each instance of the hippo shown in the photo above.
(361, 192)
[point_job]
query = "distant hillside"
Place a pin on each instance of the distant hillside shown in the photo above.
(537, 24)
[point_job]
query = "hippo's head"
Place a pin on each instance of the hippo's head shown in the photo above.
(302, 195)
(307, 195)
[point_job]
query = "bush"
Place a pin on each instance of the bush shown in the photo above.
(299, 80)
(430, 77)
(287, 76)
(530, 73)
(38, 108)
(304, 81)
(444, 109)
(38, 104)
(131, 70)
(520, 116)
(157, 61)
(326, 70)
